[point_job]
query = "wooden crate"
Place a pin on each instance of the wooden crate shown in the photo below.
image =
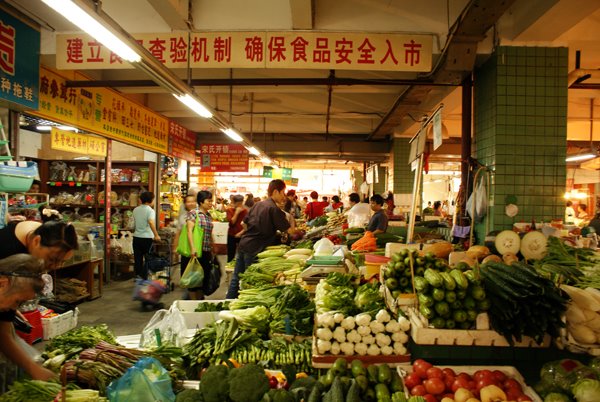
(423, 335)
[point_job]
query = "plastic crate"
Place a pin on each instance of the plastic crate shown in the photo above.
(194, 319)
(34, 318)
(16, 177)
(59, 324)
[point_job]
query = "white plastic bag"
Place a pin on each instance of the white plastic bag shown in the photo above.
(359, 215)
(323, 247)
(481, 200)
(169, 325)
(126, 242)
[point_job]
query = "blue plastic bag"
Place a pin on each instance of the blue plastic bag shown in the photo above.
(146, 381)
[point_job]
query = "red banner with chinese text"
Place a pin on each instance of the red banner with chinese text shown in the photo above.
(223, 158)
(182, 142)
(288, 49)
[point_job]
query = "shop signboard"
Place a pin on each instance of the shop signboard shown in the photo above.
(286, 174)
(223, 158)
(19, 61)
(267, 172)
(437, 130)
(78, 143)
(390, 51)
(101, 111)
(294, 181)
(182, 142)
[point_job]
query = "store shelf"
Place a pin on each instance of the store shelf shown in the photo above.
(72, 183)
(129, 184)
(53, 204)
(123, 206)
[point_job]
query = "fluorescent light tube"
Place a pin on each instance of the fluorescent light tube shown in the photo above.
(89, 24)
(231, 133)
(253, 151)
(193, 104)
(266, 161)
(580, 157)
(67, 128)
(43, 128)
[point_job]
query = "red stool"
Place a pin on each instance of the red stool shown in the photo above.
(37, 331)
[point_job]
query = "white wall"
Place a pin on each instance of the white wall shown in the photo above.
(30, 143)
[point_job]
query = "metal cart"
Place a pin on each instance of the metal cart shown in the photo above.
(169, 259)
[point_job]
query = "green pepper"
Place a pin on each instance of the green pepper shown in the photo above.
(459, 316)
(478, 293)
(391, 283)
(450, 324)
(484, 305)
(438, 294)
(471, 315)
(442, 308)
(450, 296)
(438, 323)
(469, 303)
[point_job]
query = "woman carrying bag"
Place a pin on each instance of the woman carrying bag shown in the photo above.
(182, 245)
(203, 252)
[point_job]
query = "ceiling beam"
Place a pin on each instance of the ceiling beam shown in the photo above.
(302, 14)
(174, 12)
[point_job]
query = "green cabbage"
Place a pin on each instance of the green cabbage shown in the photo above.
(368, 299)
(557, 397)
(587, 390)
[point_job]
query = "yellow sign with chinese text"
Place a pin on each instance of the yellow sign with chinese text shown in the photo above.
(77, 143)
(101, 111)
(260, 49)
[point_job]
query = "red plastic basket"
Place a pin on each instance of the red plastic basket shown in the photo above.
(37, 330)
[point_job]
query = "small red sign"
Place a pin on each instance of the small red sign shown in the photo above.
(182, 142)
(223, 158)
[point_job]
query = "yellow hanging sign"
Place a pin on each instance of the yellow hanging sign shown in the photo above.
(69, 141)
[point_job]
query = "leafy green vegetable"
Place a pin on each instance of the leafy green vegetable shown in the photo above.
(210, 307)
(293, 312)
(256, 297)
(587, 390)
(248, 383)
(217, 215)
(214, 384)
(189, 395)
(368, 299)
(83, 337)
(254, 318)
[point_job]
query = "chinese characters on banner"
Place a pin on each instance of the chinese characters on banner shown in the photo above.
(101, 111)
(223, 158)
(77, 143)
(182, 142)
(306, 50)
(19, 61)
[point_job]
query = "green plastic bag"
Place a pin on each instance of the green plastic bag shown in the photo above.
(193, 276)
(146, 381)
(183, 245)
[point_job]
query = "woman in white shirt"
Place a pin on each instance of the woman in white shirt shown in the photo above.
(145, 233)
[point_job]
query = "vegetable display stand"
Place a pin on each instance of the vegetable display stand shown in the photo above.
(326, 361)
(509, 371)
(423, 335)
(194, 319)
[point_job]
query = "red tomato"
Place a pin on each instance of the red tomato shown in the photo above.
(418, 390)
(472, 385)
(512, 383)
(434, 386)
(459, 383)
(499, 376)
(420, 367)
(512, 394)
(523, 398)
(412, 380)
(449, 381)
(484, 382)
(465, 376)
(479, 374)
(449, 372)
(451, 396)
(430, 398)
(435, 372)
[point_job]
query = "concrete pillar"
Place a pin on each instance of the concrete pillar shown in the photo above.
(521, 132)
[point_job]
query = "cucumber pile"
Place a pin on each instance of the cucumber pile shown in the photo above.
(397, 273)
(450, 299)
(373, 383)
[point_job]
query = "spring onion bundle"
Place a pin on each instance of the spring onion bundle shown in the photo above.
(256, 297)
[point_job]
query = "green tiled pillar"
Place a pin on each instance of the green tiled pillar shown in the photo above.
(521, 132)
(401, 177)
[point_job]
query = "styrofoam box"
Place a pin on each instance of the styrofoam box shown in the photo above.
(220, 232)
(392, 248)
(133, 341)
(59, 324)
(195, 319)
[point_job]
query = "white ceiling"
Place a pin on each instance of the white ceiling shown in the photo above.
(299, 113)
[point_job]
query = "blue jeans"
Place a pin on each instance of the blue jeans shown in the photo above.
(242, 261)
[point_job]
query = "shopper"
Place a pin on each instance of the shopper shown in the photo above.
(20, 280)
(204, 252)
(353, 199)
(582, 211)
(189, 204)
(52, 240)
(235, 216)
(595, 223)
(145, 232)
(315, 208)
(291, 204)
(263, 222)
(389, 202)
(249, 203)
(437, 209)
(569, 213)
(379, 221)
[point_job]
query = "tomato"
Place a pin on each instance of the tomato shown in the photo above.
(448, 372)
(273, 383)
(418, 390)
(459, 383)
(420, 367)
(484, 382)
(435, 372)
(434, 386)
(465, 376)
(512, 394)
(412, 380)
(499, 376)
(512, 383)
(479, 374)
(472, 385)
(449, 380)
(523, 398)
(430, 398)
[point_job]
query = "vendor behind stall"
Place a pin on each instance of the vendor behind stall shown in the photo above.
(379, 221)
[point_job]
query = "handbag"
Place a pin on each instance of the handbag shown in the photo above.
(214, 281)
(154, 262)
(183, 245)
